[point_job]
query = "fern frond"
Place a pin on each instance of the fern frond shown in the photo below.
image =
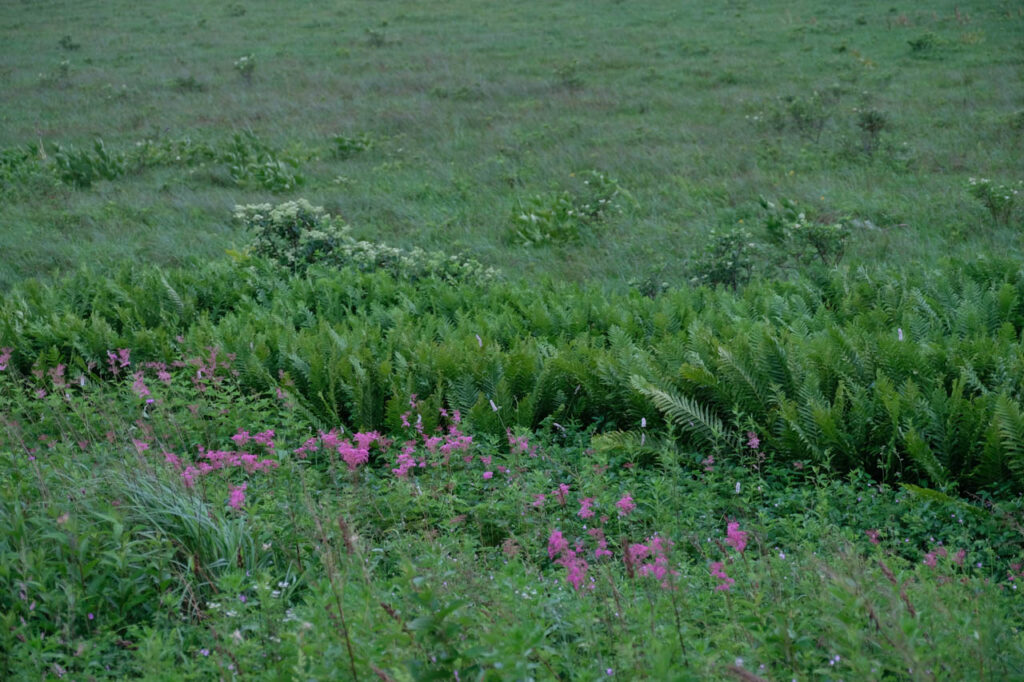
(693, 419)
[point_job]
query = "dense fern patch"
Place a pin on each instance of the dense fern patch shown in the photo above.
(910, 377)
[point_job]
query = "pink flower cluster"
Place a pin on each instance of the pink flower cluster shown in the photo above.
(520, 444)
(625, 505)
(440, 446)
(5, 357)
(575, 565)
(218, 459)
(602, 543)
(585, 511)
(354, 456)
(118, 361)
(736, 538)
(656, 553)
(725, 582)
(237, 496)
(264, 438)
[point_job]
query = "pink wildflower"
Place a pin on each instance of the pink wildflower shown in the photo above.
(237, 498)
(331, 439)
(753, 442)
(265, 438)
(309, 446)
(576, 568)
(959, 557)
(539, 499)
(561, 493)
(5, 357)
(57, 376)
(872, 536)
(488, 475)
(119, 360)
(241, 438)
(718, 571)
(602, 543)
(736, 538)
(188, 476)
(556, 544)
(139, 386)
(353, 456)
(709, 463)
(585, 511)
(406, 460)
(625, 505)
(659, 568)
(636, 553)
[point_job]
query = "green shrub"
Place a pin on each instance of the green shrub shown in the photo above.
(80, 168)
(296, 234)
(251, 163)
(1000, 200)
(801, 240)
(729, 258)
(562, 217)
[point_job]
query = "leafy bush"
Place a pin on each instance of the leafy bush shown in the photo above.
(251, 163)
(347, 147)
(561, 217)
(246, 66)
(924, 43)
(729, 258)
(296, 234)
(80, 168)
(807, 115)
(999, 199)
(801, 239)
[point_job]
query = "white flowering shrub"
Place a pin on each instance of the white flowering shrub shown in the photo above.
(999, 199)
(297, 234)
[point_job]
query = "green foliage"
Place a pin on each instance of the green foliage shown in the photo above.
(729, 258)
(911, 378)
(871, 123)
(67, 43)
(924, 43)
(80, 168)
(254, 164)
(1000, 200)
(246, 66)
(377, 37)
(347, 147)
(296, 234)
(800, 239)
(564, 217)
(568, 75)
(806, 115)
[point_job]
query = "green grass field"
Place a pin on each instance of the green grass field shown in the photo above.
(471, 111)
(552, 341)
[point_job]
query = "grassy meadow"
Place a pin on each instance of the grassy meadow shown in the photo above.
(551, 341)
